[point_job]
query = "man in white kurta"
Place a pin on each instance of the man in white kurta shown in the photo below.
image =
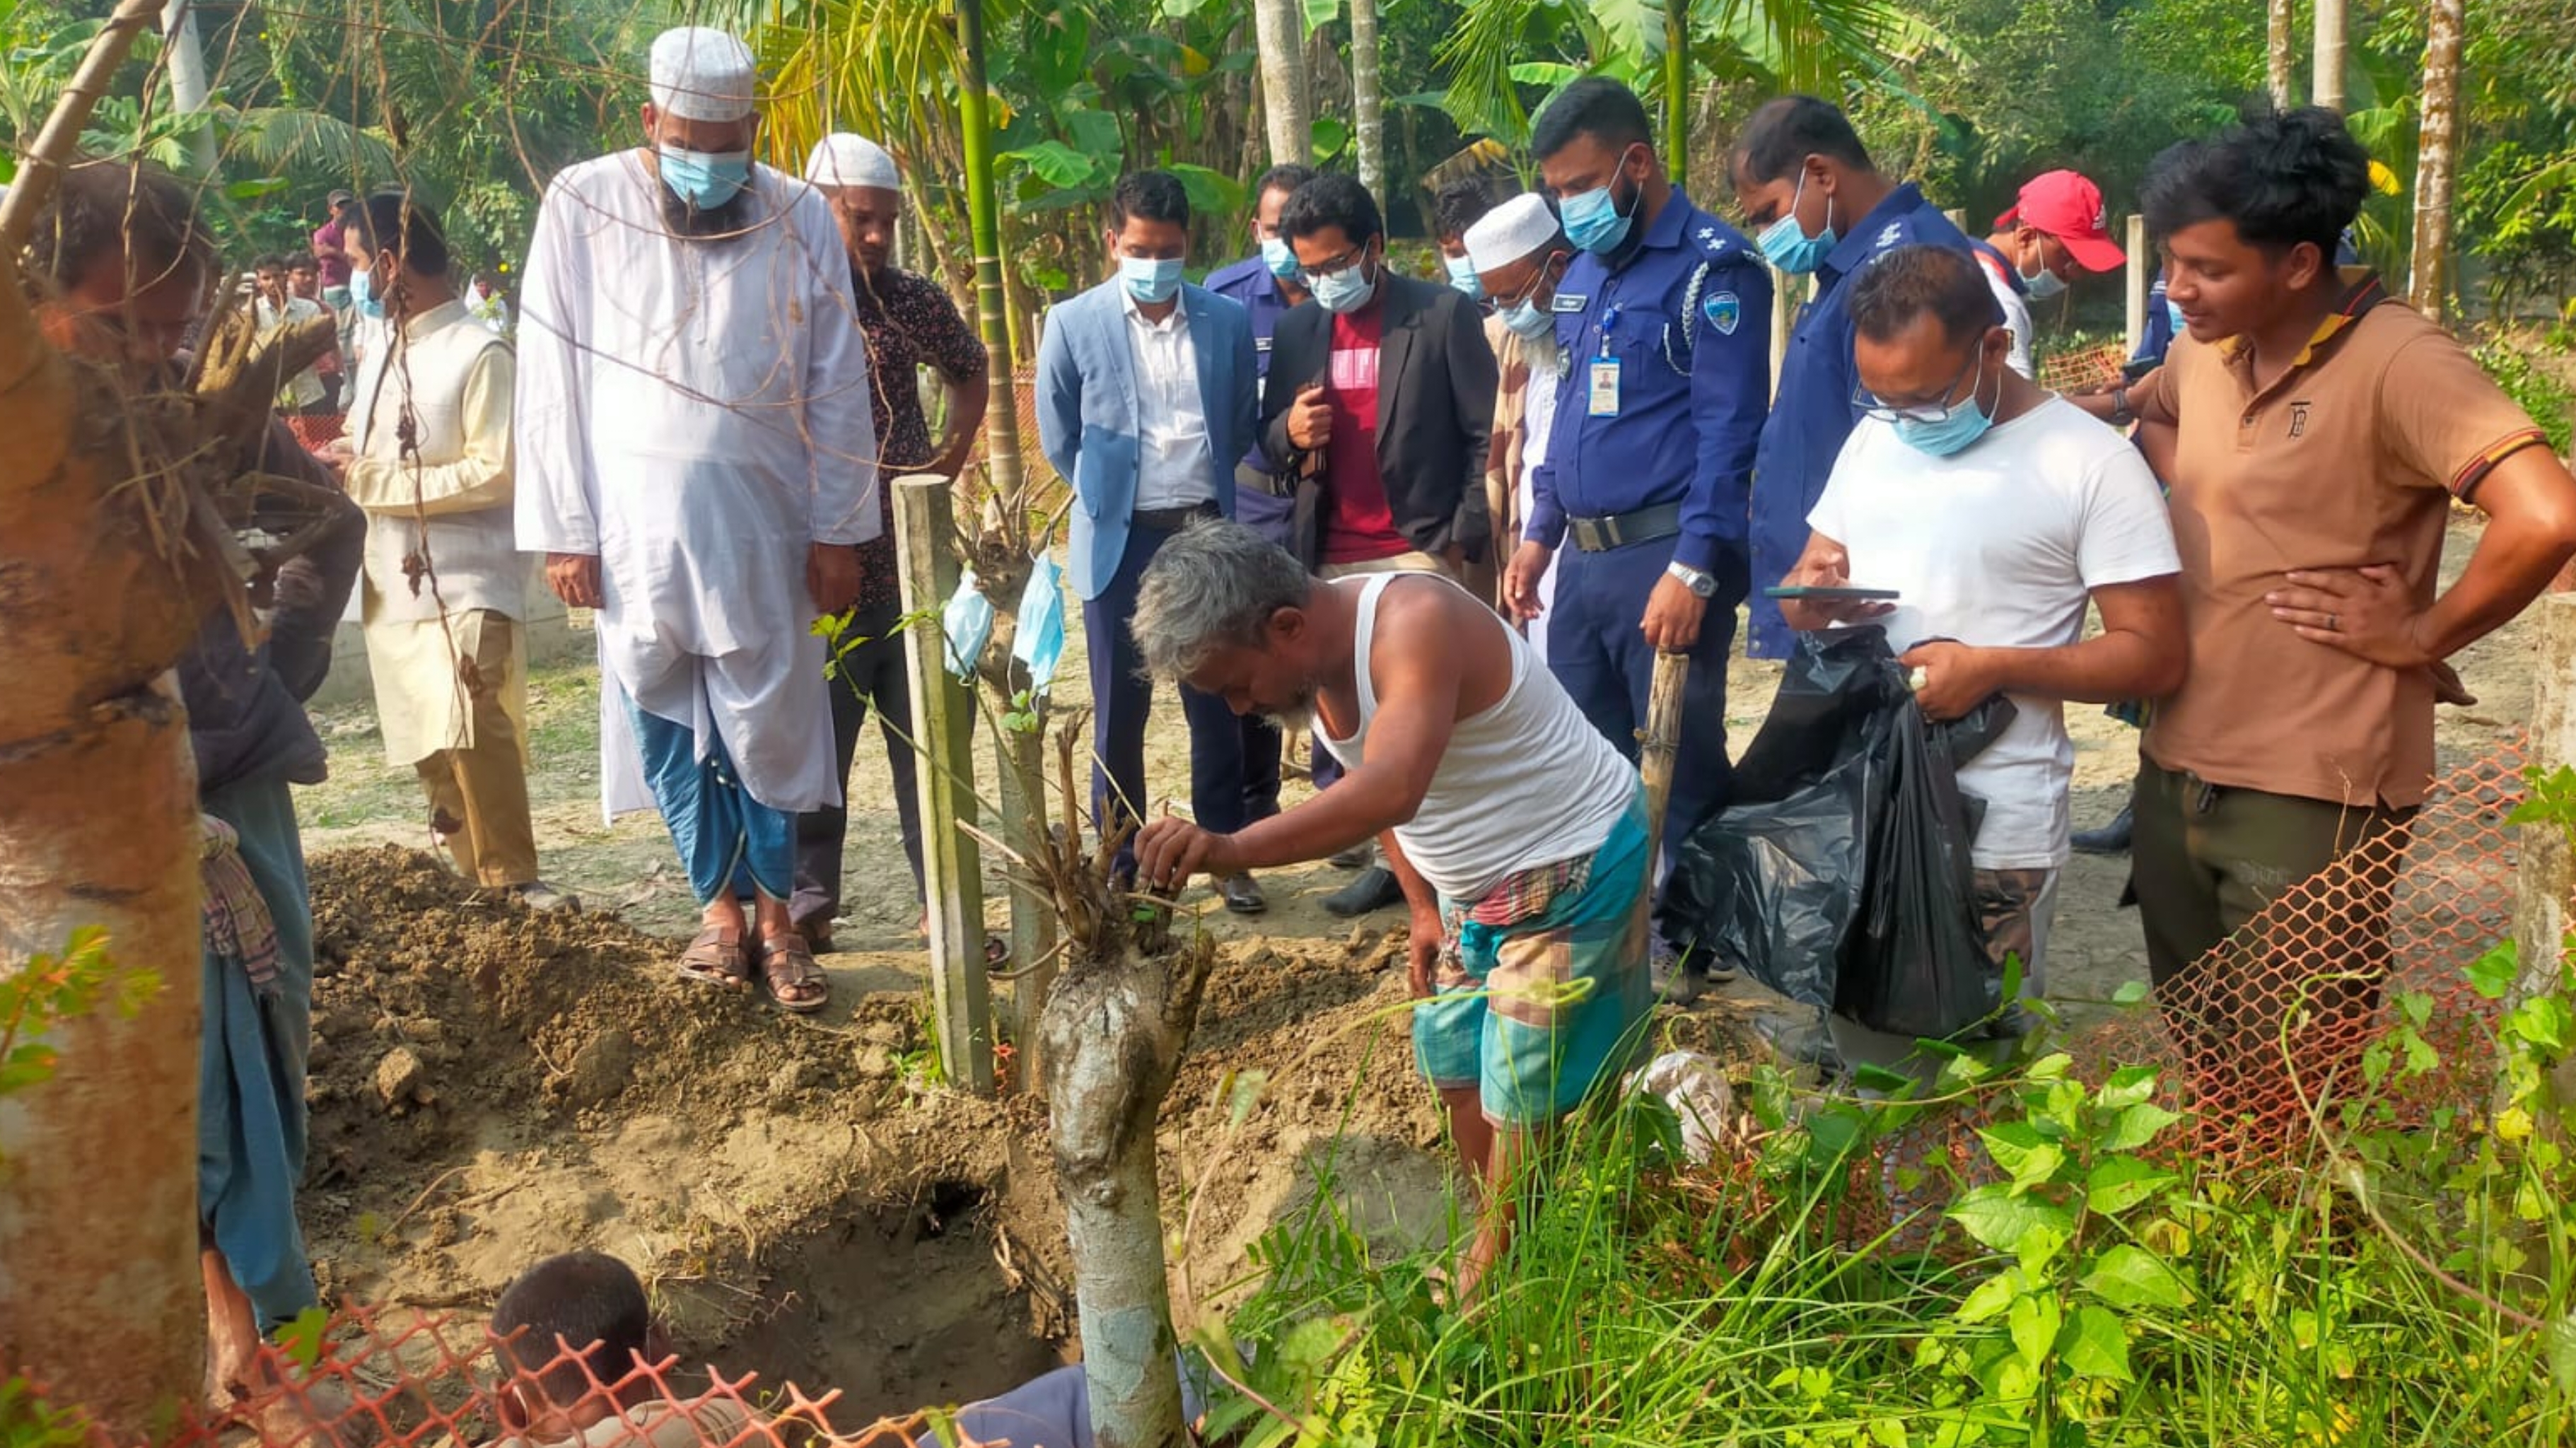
(444, 590)
(697, 461)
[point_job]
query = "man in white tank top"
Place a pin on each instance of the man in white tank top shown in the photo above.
(1518, 833)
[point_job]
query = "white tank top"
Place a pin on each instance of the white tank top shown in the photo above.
(1526, 782)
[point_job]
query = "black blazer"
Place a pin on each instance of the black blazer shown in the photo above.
(1435, 406)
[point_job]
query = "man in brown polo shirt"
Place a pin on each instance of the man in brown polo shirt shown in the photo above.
(2321, 429)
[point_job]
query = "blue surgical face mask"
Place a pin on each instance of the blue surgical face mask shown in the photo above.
(2173, 317)
(362, 295)
(705, 179)
(1954, 434)
(1593, 220)
(2045, 285)
(1527, 321)
(1039, 644)
(1276, 255)
(1152, 280)
(1787, 246)
(1345, 291)
(1462, 275)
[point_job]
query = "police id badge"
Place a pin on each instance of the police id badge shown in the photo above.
(1605, 387)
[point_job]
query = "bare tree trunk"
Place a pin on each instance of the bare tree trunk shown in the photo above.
(2282, 45)
(2428, 283)
(1284, 101)
(1113, 1033)
(98, 828)
(2332, 27)
(1677, 91)
(1366, 117)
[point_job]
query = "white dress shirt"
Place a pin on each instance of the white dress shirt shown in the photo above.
(1174, 468)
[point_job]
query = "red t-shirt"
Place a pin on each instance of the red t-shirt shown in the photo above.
(1358, 525)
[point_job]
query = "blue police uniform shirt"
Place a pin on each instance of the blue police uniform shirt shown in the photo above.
(1686, 317)
(1249, 282)
(1813, 413)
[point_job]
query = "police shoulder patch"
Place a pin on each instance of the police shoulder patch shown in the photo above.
(1723, 310)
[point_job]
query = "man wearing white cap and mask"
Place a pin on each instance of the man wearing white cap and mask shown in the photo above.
(697, 462)
(1520, 253)
(909, 324)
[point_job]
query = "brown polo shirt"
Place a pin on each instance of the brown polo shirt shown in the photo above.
(2348, 458)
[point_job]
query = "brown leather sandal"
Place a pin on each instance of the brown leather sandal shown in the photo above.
(715, 958)
(787, 967)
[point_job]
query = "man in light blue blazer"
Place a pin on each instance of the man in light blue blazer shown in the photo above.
(1147, 393)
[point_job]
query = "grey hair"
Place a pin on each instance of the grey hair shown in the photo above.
(1212, 585)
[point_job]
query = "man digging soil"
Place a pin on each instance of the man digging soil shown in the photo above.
(1518, 833)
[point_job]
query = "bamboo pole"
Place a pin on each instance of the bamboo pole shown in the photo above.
(1662, 744)
(2140, 280)
(2545, 872)
(952, 869)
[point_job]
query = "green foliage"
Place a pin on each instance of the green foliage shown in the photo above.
(28, 1421)
(2407, 1282)
(2534, 388)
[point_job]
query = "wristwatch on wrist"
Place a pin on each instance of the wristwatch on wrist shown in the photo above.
(1702, 584)
(2121, 415)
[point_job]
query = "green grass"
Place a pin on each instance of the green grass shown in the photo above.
(2403, 1281)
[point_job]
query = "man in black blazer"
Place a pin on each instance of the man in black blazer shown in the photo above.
(1381, 402)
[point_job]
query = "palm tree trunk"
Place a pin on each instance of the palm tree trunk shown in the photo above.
(98, 828)
(2278, 57)
(2428, 283)
(2333, 26)
(1367, 118)
(1677, 91)
(1284, 100)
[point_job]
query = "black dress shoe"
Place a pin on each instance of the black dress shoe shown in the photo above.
(2111, 839)
(1375, 889)
(1357, 857)
(1242, 895)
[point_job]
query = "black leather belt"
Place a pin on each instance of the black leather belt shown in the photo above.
(1172, 520)
(1599, 535)
(1274, 484)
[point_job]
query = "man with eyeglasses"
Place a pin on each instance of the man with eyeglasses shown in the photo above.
(1818, 207)
(1386, 399)
(1665, 319)
(1996, 511)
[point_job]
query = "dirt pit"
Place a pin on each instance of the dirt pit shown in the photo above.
(491, 1085)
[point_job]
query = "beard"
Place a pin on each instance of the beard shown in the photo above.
(691, 223)
(1295, 717)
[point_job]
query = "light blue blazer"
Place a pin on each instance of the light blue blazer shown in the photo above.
(1086, 405)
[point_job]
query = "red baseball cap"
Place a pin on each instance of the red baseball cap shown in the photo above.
(2066, 206)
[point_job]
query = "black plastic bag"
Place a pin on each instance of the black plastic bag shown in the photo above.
(1771, 884)
(1839, 874)
(1917, 966)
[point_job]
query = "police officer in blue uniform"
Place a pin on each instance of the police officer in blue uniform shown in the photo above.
(1665, 319)
(1817, 207)
(1267, 283)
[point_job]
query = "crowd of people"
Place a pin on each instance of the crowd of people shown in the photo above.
(1446, 527)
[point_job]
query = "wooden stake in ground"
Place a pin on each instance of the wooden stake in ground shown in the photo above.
(1662, 744)
(961, 993)
(2545, 872)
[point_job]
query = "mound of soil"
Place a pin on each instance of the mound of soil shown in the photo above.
(491, 1085)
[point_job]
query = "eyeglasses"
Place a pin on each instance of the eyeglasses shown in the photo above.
(1877, 411)
(1339, 264)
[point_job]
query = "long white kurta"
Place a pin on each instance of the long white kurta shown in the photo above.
(696, 414)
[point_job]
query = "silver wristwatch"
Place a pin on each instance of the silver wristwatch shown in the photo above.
(1702, 584)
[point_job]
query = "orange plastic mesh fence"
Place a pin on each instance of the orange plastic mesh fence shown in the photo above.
(2083, 370)
(388, 1378)
(2274, 1021)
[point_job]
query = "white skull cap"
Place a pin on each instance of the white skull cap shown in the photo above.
(842, 159)
(1511, 231)
(701, 74)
